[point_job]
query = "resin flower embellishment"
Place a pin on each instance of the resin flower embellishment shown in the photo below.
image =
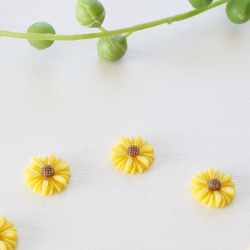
(131, 156)
(212, 188)
(47, 176)
(8, 235)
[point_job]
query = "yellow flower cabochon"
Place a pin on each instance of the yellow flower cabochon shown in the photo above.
(8, 235)
(48, 175)
(131, 156)
(212, 188)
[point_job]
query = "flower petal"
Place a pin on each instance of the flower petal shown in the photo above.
(138, 140)
(51, 160)
(46, 160)
(206, 200)
(2, 246)
(45, 187)
(121, 165)
(37, 162)
(60, 180)
(128, 165)
(226, 197)
(198, 180)
(56, 162)
(37, 186)
(10, 244)
(143, 161)
(3, 220)
(230, 191)
(133, 171)
(132, 141)
(63, 166)
(118, 151)
(202, 194)
(124, 142)
(147, 149)
(32, 172)
(9, 233)
(204, 175)
(217, 199)
(225, 178)
(139, 168)
(56, 186)
(211, 173)
(117, 160)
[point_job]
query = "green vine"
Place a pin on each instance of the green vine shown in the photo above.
(131, 29)
(85, 6)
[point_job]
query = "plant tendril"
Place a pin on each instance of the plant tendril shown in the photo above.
(105, 33)
(102, 29)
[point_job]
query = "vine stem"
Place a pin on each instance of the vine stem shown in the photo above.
(128, 30)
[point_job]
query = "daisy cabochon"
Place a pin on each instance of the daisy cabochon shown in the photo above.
(8, 234)
(131, 156)
(212, 188)
(47, 176)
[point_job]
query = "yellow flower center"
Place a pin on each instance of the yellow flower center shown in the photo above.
(133, 150)
(214, 184)
(47, 171)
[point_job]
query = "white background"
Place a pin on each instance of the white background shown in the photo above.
(185, 88)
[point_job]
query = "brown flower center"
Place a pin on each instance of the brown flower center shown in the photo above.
(133, 150)
(214, 184)
(47, 171)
